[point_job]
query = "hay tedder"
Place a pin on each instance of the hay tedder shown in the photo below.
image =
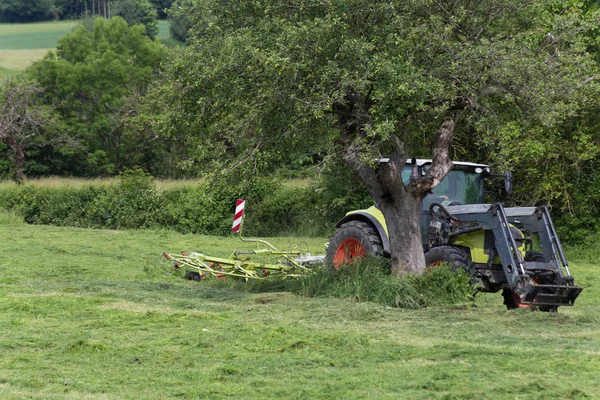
(290, 263)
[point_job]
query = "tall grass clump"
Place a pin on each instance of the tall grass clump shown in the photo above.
(10, 219)
(369, 280)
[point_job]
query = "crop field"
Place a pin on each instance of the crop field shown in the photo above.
(89, 314)
(22, 44)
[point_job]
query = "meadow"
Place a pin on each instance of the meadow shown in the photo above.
(89, 314)
(22, 44)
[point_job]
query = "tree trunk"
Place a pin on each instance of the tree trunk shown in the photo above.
(400, 203)
(403, 221)
(18, 157)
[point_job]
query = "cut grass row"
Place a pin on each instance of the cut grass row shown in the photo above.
(87, 315)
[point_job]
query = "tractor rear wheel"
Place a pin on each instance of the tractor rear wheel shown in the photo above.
(354, 239)
(455, 258)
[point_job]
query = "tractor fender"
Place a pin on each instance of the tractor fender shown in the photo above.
(371, 220)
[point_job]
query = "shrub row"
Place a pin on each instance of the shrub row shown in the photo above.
(136, 203)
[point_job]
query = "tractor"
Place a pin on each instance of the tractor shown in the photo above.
(511, 249)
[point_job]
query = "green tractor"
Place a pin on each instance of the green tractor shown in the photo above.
(514, 250)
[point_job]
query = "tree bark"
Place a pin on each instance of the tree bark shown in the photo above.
(403, 220)
(19, 155)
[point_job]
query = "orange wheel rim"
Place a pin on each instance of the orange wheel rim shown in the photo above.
(347, 251)
(433, 265)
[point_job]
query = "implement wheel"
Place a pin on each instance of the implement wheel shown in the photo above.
(192, 276)
(354, 239)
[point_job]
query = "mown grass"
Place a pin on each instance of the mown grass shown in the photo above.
(83, 318)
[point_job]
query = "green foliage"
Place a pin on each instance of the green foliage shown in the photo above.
(162, 6)
(208, 208)
(397, 68)
(339, 191)
(137, 12)
(287, 212)
(369, 280)
(136, 203)
(25, 11)
(94, 80)
(180, 23)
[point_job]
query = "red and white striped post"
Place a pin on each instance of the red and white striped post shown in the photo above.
(239, 213)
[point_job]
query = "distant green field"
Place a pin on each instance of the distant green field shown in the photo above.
(33, 36)
(163, 30)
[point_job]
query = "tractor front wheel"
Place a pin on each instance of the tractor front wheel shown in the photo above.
(354, 239)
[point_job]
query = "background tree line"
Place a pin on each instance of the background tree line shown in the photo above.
(252, 90)
(49, 10)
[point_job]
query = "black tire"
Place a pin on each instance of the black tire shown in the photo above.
(454, 256)
(509, 299)
(353, 231)
(192, 276)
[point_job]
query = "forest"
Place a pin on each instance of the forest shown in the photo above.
(263, 91)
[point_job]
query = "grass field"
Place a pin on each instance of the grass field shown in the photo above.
(22, 44)
(86, 314)
(161, 184)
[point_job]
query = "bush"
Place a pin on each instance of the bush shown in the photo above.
(286, 212)
(136, 203)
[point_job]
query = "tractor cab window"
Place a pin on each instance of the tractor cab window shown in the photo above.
(462, 185)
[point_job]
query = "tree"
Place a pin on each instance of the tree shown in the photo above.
(23, 121)
(25, 11)
(161, 7)
(137, 12)
(373, 78)
(89, 80)
(179, 20)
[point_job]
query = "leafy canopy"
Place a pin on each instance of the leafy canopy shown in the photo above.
(286, 72)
